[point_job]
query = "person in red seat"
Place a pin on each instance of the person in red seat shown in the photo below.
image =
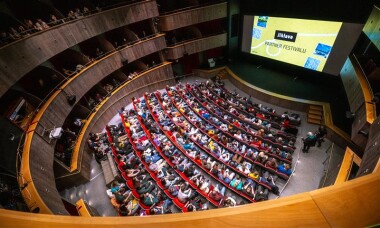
(217, 194)
(261, 133)
(262, 157)
(229, 202)
(260, 115)
(184, 194)
(198, 159)
(224, 140)
(256, 142)
(249, 190)
(286, 123)
(271, 163)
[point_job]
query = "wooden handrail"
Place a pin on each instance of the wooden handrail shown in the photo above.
(67, 20)
(185, 42)
(353, 203)
(345, 166)
(370, 107)
(192, 8)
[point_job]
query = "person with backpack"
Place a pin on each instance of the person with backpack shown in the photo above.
(308, 142)
(320, 135)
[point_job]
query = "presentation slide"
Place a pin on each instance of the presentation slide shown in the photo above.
(305, 43)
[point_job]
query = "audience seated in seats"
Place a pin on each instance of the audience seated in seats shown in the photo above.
(199, 141)
(115, 186)
(122, 196)
(149, 199)
(162, 209)
(261, 194)
(262, 157)
(237, 183)
(184, 193)
(269, 180)
(285, 169)
(271, 163)
(217, 194)
(229, 202)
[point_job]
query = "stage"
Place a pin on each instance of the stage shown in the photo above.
(310, 87)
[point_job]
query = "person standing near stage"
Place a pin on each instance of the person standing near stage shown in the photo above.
(320, 134)
(308, 142)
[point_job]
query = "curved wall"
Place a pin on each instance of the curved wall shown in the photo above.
(350, 204)
(90, 76)
(20, 57)
(37, 163)
(194, 16)
(196, 46)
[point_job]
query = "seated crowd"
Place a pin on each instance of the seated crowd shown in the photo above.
(172, 151)
(250, 146)
(28, 27)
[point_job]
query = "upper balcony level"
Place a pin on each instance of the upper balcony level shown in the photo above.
(189, 47)
(185, 17)
(20, 57)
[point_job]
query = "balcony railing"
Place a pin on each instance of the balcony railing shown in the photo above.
(27, 33)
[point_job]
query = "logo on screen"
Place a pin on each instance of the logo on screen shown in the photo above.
(287, 36)
(262, 21)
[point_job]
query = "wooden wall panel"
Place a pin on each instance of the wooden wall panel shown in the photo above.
(360, 124)
(351, 204)
(94, 74)
(372, 151)
(196, 46)
(272, 98)
(41, 169)
(20, 57)
(352, 86)
(193, 16)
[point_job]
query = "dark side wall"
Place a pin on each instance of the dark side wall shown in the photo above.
(8, 147)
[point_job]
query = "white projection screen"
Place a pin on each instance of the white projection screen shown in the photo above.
(313, 44)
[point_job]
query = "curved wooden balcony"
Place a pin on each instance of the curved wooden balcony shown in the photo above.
(353, 203)
(195, 46)
(38, 155)
(24, 55)
(193, 16)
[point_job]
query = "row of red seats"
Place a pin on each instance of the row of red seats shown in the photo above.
(255, 126)
(269, 142)
(200, 166)
(256, 109)
(175, 200)
(274, 171)
(212, 154)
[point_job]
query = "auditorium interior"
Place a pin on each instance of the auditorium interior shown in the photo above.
(189, 113)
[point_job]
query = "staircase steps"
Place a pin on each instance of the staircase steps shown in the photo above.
(315, 114)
